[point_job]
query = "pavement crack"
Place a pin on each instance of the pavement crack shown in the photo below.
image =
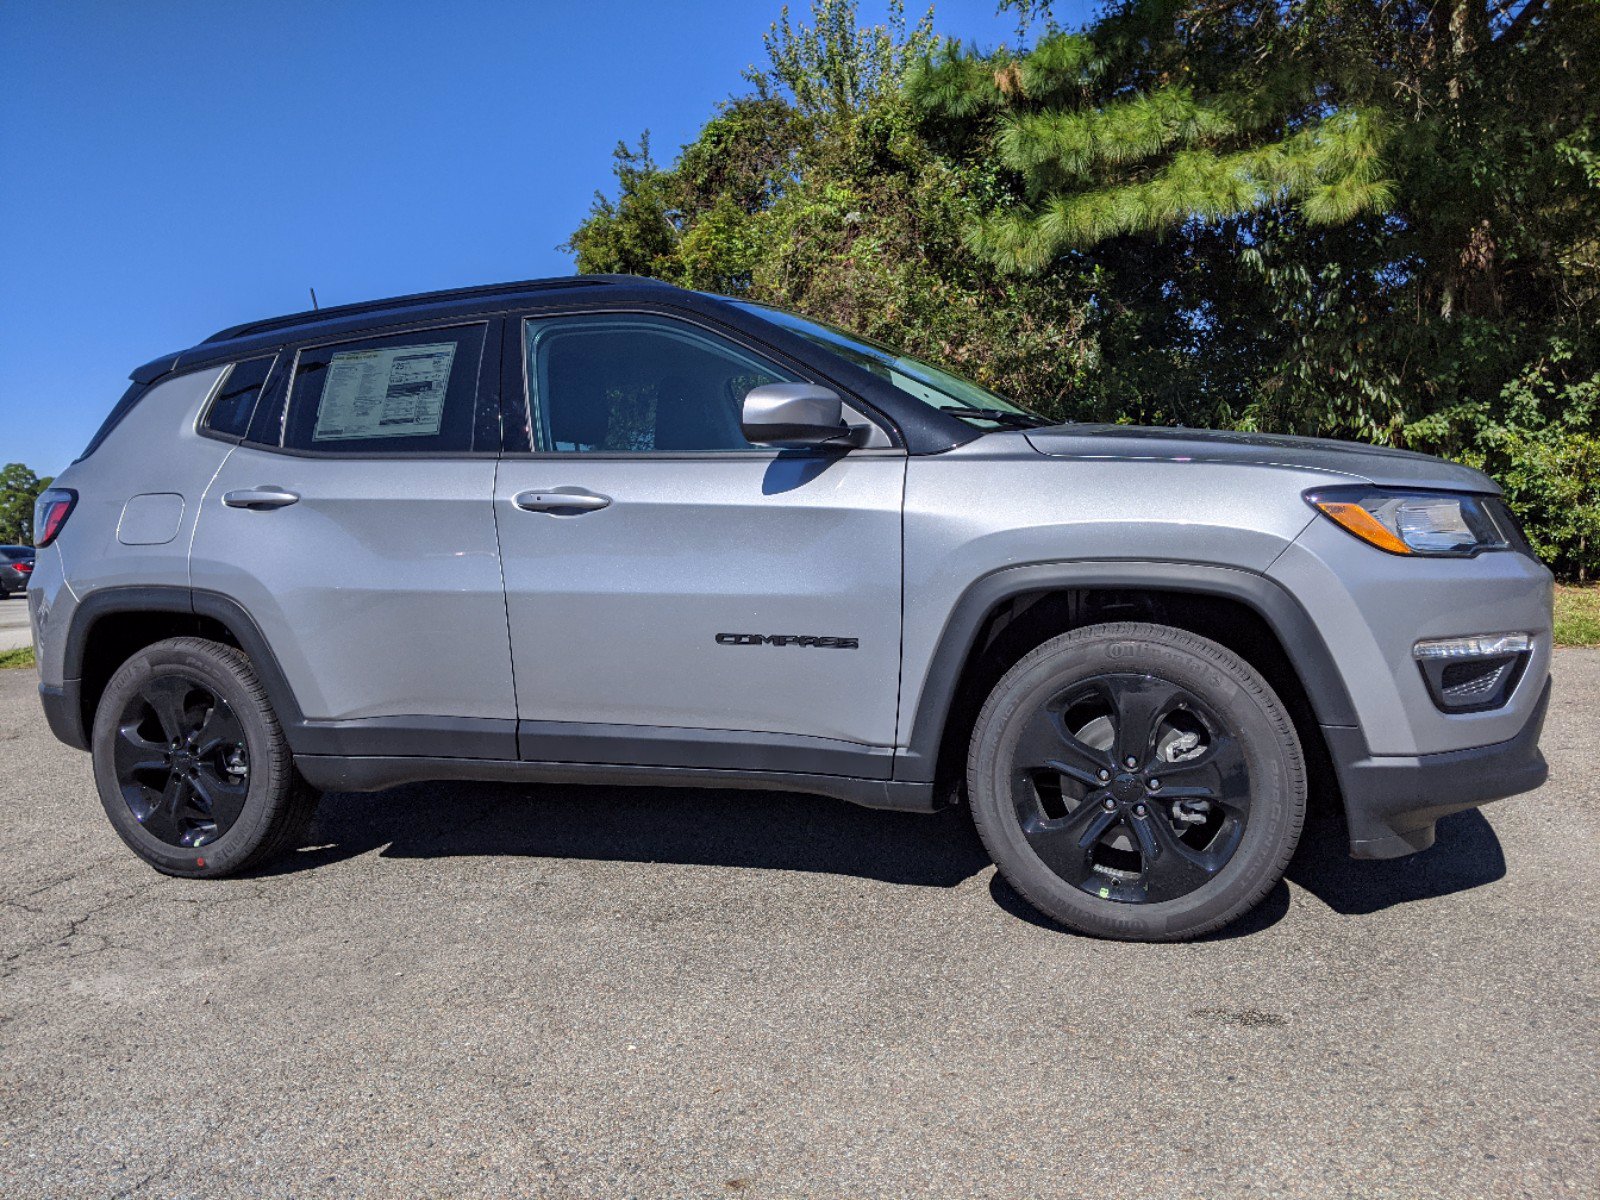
(15, 960)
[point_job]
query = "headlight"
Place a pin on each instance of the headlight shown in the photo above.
(1434, 524)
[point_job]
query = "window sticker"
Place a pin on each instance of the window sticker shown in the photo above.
(385, 393)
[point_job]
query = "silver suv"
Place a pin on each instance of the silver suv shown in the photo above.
(598, 530)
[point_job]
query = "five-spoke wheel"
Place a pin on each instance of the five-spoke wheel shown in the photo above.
(1130, 788)
(1137, 780)
(182, 763)
(191, 764)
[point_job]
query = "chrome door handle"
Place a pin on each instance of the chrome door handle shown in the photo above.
(260, 497)
(561, 500)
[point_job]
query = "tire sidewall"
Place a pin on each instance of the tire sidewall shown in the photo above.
(1244, 702)
(225, 677)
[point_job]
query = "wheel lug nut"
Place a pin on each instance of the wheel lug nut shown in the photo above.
(1155, 785)
(1138, 810)
(1109, 803)
(1103, 773)
(1131, 761)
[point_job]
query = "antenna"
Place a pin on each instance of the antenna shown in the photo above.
(313, 292)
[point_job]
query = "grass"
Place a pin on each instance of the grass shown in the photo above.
(16, 658)
(1578, 615)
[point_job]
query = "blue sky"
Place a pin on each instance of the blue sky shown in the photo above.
(169, 168)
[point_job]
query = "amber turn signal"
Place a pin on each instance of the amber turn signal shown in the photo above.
(1363, 524)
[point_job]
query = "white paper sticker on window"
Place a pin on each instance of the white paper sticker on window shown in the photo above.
(385, 393)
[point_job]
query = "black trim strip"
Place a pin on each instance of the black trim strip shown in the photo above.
(407, 737)
(701, 749)
(377, 774)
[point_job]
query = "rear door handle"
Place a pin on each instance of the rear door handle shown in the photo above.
(260, 497)
(561, 500)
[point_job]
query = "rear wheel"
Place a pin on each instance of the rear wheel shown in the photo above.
(1137, 781)
(190, 762)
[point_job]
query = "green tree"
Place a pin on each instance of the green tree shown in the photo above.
(1376, 219)
(1355, 218)
(816, 191)
(19, 488)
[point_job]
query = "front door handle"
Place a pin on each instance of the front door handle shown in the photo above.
(260, 497)
(561, 500)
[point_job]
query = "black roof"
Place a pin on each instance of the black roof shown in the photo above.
(259, 335)
(486, 291)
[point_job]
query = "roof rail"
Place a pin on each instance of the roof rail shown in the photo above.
(419, 298)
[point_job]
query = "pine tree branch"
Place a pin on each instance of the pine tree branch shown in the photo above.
(1518, 24)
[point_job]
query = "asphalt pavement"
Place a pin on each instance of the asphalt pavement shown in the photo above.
(556, 991)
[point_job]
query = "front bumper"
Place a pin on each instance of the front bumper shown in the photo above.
(1391, 802)
(63, 711)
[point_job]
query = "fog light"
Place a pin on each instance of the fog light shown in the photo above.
(1472, 674)
(1482, 645)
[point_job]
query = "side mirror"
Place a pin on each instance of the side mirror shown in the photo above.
(794, 414)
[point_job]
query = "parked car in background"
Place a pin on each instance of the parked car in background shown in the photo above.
(601, 530)
(16, 568)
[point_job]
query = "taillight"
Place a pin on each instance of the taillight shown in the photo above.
(50, 513)
(25, 565)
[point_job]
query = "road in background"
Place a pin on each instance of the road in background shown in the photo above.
(14, 630)
(556, 991)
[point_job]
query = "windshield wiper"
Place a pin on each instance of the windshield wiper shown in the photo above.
(1004, 417)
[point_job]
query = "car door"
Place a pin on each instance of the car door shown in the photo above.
(677, 596)
(356, 528)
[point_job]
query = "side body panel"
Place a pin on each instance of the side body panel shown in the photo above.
(379, 590)
(994, 504)
(154, 452)
(982, 509)
(615, 614)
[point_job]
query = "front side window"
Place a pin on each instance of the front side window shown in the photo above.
(933, 386)
(230, 412)
(411, 393)
(630, 384)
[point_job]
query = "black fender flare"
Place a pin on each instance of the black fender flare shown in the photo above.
(1302, 641)
(183, 601)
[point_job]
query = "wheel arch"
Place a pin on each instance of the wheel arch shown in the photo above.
(1004, 614)
(112, 624)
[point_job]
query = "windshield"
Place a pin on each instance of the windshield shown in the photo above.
(932, 385)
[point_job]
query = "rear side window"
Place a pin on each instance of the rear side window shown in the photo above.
(411, 393)
(230, 412)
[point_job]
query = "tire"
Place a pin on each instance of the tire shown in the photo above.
(221, 801)
(1190, 838)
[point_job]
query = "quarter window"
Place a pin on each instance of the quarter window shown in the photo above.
(413, 393)
(637, 384)
(230, 412)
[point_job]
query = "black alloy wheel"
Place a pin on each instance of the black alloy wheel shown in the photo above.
(182, 762)
(191, 764)
(1137, 781)
(1130, 788)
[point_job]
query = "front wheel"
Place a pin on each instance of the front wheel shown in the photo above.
(1137, 781)
(190, 762)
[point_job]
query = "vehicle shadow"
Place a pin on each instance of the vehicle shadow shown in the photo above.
(704, 827)
(794, 832)
(1465, 855)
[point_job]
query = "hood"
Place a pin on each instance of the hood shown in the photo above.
(1386, 468)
